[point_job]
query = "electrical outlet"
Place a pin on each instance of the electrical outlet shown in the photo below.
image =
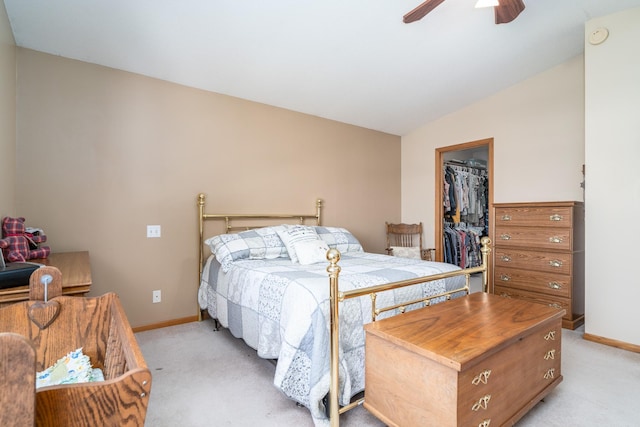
(153, 231)
(157, 296)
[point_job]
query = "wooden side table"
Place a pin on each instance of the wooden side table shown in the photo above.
(76, 276)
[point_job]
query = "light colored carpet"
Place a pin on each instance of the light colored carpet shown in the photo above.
(207, 378)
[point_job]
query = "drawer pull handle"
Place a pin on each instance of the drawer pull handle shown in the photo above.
(555, 285)
(505, 295)
(485, 423)
(555, 217)
(549, 374)
(555, 239)
(555, 305)
(482, 403)
(506, 258)
(506, 217)
(505, 237)
(551, 354)
(505, 277)
(555, 263)
(550, 336)
(482, 377)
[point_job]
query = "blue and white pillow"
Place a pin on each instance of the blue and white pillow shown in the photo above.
(339, 238)
(261, 243)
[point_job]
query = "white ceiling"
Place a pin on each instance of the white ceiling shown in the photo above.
(354, 61)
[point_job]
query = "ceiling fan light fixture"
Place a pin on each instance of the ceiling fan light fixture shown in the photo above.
(487, 3)
(504, 10)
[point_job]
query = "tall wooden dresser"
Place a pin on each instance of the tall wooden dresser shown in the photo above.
(539, 255)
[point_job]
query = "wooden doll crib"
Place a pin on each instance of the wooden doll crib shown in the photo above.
(56, 325)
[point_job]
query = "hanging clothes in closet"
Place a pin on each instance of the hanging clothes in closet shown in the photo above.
(466, 213)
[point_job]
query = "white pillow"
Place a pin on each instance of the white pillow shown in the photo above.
(311, 251)
(412, 252)
(291, 235)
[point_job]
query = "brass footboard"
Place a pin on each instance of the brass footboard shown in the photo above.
(336, 297)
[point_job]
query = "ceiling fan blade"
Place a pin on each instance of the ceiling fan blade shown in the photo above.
(508, 10)
(420, 11)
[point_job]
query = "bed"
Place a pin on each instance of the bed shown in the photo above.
(283, 296)
(38, 333)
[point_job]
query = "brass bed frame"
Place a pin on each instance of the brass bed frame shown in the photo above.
(335, 295)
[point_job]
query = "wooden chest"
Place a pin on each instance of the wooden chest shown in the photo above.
(472, 361)
(539, 255)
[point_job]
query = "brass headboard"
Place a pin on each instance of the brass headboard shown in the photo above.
(229, 227)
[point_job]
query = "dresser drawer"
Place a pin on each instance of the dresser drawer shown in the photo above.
(551, 301)
(551, 262)
(554, 285)
(535, 216)
(490, 391)
(534, 237)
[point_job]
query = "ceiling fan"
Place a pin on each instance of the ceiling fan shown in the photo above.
(506, 11)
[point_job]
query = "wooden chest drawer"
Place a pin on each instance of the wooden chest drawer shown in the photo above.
(552, 262)
(534, 237)
(561, 217)
(554, 285)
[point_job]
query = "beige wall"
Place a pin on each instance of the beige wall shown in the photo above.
(538, 131)
(7, 116)
(613, 178)
(102, 153)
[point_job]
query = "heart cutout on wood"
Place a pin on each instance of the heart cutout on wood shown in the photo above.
(44, 313)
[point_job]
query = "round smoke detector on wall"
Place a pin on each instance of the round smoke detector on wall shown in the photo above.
(598, 35)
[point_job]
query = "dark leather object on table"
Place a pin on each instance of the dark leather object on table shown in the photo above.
(16, 274)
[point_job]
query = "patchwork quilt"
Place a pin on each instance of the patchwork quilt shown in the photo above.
(281, 309)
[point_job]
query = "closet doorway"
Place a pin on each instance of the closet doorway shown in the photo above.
(472, 154)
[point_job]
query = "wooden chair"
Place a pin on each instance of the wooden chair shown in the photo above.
(407, 236)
